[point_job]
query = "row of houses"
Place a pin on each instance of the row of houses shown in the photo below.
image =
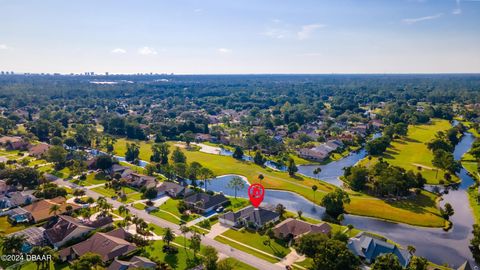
(108, 245)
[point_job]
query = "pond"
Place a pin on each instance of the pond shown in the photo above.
(434, 244)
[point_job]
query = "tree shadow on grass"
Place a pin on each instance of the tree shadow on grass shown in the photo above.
(417, 203)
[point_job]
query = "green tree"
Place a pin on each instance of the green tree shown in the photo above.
(291, 167)
(238, 153)
(280, 209)
(259, 159)
(195, 243)
(387, 262)
(418, 263)
(12, 244)
(334, 202)
(447, 211)
(43, 251)
(357, 179)
(236, 183)
(178, 156)
(314, 188)
(133, 151)
(327, 253)
(55, 209)
(160, 152)
(88, 261)
(210, 257)
(168, 236)
(104, 162)
(58, 155)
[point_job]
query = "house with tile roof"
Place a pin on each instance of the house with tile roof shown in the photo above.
(293, 229)
(108, 245)
(66, 228)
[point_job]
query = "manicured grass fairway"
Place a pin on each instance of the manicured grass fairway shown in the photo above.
(412, 152)
(424, 214)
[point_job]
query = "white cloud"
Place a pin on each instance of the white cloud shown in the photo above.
(119, 51)
(3, 47)
(276, 33)
(420, 19)
(457, 11)
(308, 30)
(147, 51)
(198, 10)
(224, 51)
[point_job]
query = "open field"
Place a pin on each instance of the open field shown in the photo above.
(412, 211)
(412, 152)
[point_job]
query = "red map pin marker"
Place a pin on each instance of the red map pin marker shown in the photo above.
(256, 192)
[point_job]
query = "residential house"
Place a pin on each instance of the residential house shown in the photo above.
(34, 236)
(293, 229)
(119, 169)
(173, 190)
(204, 203)
(5, 140)
(139, 180)
(108, 245)
(4, 188)
(66, 228)
(40, 210)
(320, 152)
(17, 198)
(250, 217)
(38, 150)
(369, 247)
(202, 137)
(18, 215)
(136, 262)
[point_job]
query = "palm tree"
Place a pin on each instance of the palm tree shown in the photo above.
(43, 251)
(123, 210)
(168, 236)
(314, 188)
(236, 184)
(55, 209)
(12, 244)
(206, 174)
(184, 229)
(317, 171)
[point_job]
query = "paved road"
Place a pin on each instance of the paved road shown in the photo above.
(222, 248)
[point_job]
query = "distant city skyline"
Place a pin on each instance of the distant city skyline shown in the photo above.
(240, 37)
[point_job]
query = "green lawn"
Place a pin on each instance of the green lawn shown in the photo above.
(361, 204)
(411, 152)
(246, 249)
(238, 265)
(176, 261)
(7, 228)
(107, 192)
(171, 206)
(92, 179)
(277, 247)
(473, 199)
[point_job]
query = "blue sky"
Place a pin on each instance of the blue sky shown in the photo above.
(240, 36)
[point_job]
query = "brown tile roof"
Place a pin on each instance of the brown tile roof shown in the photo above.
(39, 149)
(108, 245)
(297, 228)
(40, 210)
(65, 225)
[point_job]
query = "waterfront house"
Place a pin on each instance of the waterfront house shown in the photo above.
(204, 203)
(249, 217)
(369, 247)
(293, 229)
